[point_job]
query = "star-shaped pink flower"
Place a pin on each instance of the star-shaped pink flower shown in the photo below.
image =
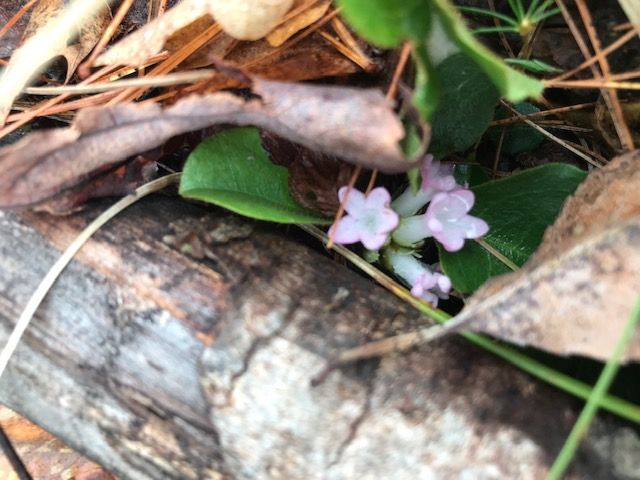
(431, 286)
(449, 222)
(369, 218)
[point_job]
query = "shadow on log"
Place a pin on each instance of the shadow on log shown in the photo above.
(161, 366)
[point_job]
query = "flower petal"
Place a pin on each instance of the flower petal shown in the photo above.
(452, 238)
(465, 196)
(387, 220)
(346, 231)
(444, 283)
(355, 203)
(373, 241)
(474, 227)
(378, 198)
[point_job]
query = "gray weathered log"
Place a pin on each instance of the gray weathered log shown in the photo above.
(160, 366)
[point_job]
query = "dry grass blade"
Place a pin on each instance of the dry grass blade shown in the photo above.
(147, 82)
(611, 96)
(551, 136)
(84, 69)
(52, 38)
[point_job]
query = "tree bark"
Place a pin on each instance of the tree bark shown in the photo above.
(162, 366)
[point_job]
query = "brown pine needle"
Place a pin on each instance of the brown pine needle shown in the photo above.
(349, 40)
(39, 110)
(606, 51)
(591, 84)
(85, 68)
(610, 94)
(543, 113)
(551, 136)
(352, 182)
(391, 93)
(352, 55)
(16, 18)
(171, 62)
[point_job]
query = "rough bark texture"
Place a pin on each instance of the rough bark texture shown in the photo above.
(160, 366)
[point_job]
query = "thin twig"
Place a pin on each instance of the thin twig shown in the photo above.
(30, 58)
(553, 137)
(148, 82)
(606, 51)
(592, 83)
(543, 113)
(509, 263)
(84, 69)
(7, 26)
(610, 94)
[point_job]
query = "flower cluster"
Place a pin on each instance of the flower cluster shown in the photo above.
(397, 230)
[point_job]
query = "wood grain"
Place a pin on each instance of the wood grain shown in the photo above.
(160, 366)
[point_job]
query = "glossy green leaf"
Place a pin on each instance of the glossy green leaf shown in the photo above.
(518, 209)
(232, 170)
(512, 84)
(471, 174)
(387, 23)
(519, 137)
(466, 107)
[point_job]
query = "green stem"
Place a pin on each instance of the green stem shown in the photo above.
(595, 399)
(615, 405)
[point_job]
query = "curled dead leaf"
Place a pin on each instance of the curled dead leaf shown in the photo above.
(87, 35)
(241, 19)
(45, 44)
(356, 125)
(576, 293)
(314, 178)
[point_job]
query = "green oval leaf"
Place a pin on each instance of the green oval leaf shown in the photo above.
(232, 170)
(466, 107)
(387, 23)
(518, 209)
(519, 137)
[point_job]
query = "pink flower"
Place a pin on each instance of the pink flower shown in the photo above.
(448, 220)
(369, 218)
(431, 287)
(436, 177)
(426, 283)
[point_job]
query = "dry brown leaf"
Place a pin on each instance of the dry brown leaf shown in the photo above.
(87, 37)
(310, 59)
(46, 43)
(357, 125)
(242, 19)
(314, 178)
(575, 294)
(217, 48)
(309, 16)
(145, 42)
